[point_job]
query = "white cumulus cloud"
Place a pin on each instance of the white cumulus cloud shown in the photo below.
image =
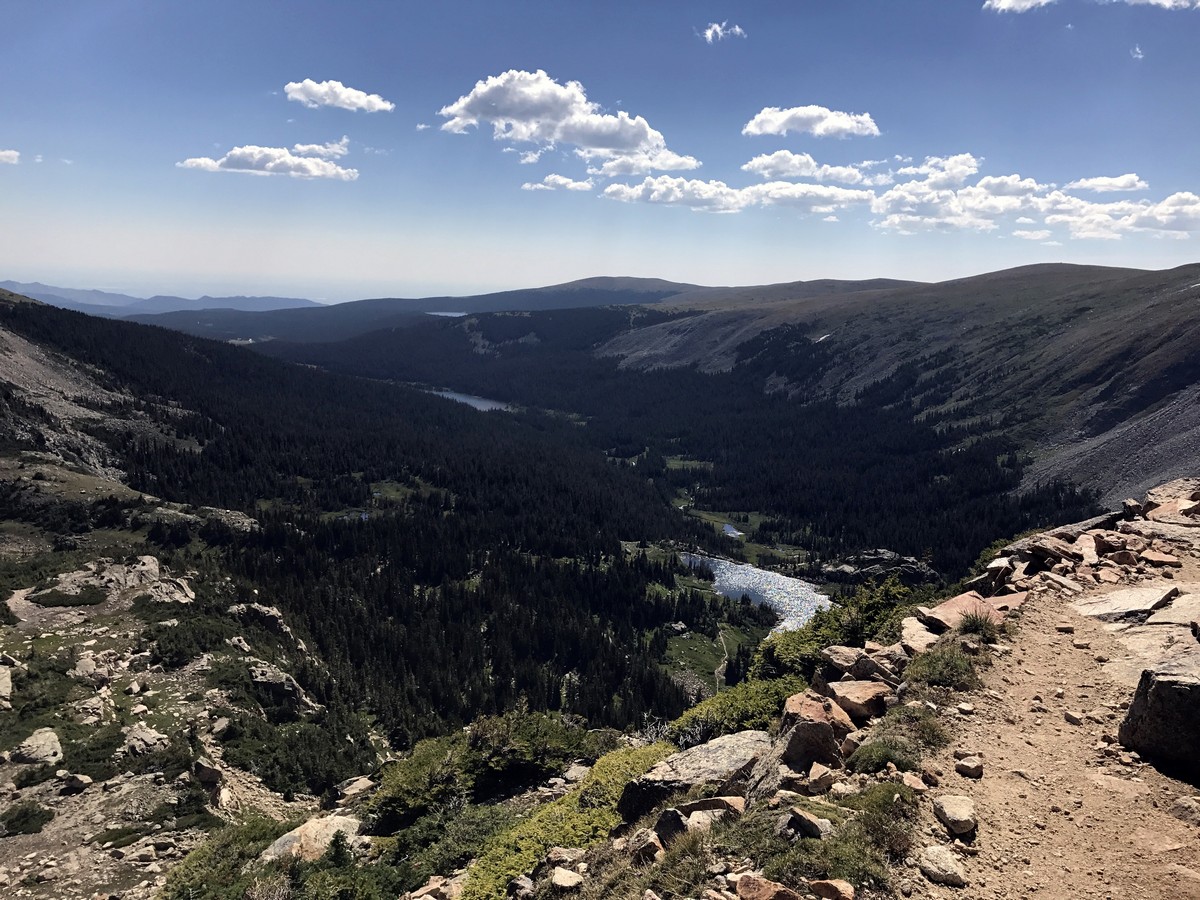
(1041, 235)
(717, 196)
(271, 161)
(944, 171)
(10, 157)
(333, 93)
(815, 120)
(718, 31)
(785, 164)
(1106, 183)
(1015, 5)
(332, 150)
(557, 182)
(531, 107)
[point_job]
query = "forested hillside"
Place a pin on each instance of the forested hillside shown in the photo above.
(445, 563)
(829, 477)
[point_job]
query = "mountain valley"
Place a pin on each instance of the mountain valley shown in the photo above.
(280, 623)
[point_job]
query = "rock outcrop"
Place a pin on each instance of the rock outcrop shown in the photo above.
(310, 840)
(724, 761)
(1163, 721)
(40, 748)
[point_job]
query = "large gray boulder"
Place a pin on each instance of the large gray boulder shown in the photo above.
(5, 687)
(723, 762)
(39, 748)
(1163, 721)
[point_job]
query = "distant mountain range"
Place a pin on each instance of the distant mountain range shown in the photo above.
(105, 303)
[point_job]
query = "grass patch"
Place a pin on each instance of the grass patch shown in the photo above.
(860, 850)
(944, 665)
(751, 704)
(582, 819)
(875, 754)
(981, 625)
(25, 817)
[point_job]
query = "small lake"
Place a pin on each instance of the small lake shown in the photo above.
(793, 600)
(483, 404)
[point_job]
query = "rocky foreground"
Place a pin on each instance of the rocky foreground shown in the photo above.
(1067, 770)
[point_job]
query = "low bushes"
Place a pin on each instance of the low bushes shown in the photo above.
(582, 818)
(944, 665)
(751, 704)
(26, 817)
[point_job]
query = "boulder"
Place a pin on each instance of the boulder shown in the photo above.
(842, 658)
(140, 739)
(832, 889)
(1116, 605)
(941, 866)
(1163, 721)
(1154, 558)
(1187, 809)
(353, 788)
(206, 771)
(5, 687)
(810, 706)
(957, 813)
(671, 823)
(915, 638)
(733, 806)
(755, 887)
(565, 879)
(310, 840)
(798, 823)
(282, 687)
(947, 615)
(862, 700)
(969, 767)
(809, 742)
(645, 847)
(725, 761)
(39, 748)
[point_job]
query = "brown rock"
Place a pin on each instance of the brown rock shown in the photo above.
(1154, 558)
(808, 742)
(947, 615)
(755, 887)
(832, 889)
(645, 847)
(915, 638)
(862, 700)
(810, 706)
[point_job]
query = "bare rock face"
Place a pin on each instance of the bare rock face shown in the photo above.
(725, 761)
(565, 879)
(1163, 721)
(832, 889)
(309, 841)
(5, 687)
(40, 748)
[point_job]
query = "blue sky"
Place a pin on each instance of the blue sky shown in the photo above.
(352, 149)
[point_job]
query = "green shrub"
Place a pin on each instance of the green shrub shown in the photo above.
(217, 868)
(751, 704)
(448, 837)
(682, 871)
(26, 817)
(859, 850)
(919, 724)
(496, 756)
(582, 818)
(873, 610)
(945, 665)
(981, 625)
(875, 754)
(89, 595)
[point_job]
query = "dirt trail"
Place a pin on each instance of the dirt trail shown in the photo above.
(1058, 817)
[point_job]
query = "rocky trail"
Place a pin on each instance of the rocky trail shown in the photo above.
(1064, 810)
